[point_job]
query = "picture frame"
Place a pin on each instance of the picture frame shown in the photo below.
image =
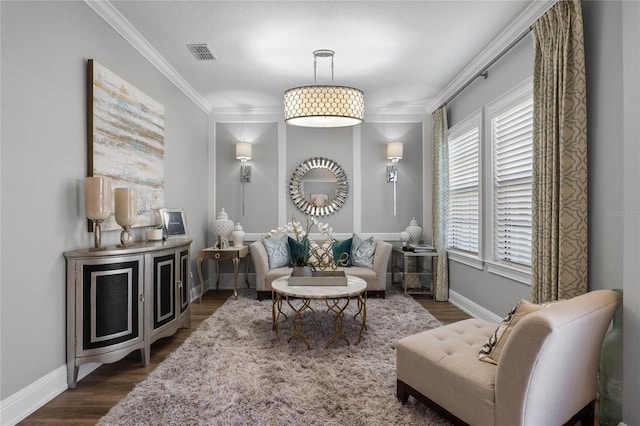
(174, 223)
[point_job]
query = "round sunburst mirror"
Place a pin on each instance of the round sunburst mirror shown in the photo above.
(319, 186)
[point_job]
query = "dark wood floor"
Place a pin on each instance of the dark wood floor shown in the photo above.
(103, 388)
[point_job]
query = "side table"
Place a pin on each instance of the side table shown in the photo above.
(230, 253)
(412, 277)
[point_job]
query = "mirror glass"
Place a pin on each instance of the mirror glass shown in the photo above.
(319, 187)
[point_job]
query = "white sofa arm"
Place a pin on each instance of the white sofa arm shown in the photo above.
(381, 261)
(260, 263)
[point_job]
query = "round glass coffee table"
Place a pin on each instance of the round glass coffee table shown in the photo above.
(337, 299)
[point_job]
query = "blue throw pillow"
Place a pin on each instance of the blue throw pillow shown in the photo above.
(277, 251)
(362, 251)
(297, 250)
(339, 249)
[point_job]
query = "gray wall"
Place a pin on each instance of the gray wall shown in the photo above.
(493, 292)
(603, 46)
(360, 151)
(631, 203)
(612, 45)
(45, 46)
(377, 193)
(260, 195)
(336, 144)
(277, 151)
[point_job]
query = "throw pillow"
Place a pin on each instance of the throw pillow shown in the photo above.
(321, 256)
(277, 251)
(340, 249)
(296, 251)
(362, 251)
(491, 351)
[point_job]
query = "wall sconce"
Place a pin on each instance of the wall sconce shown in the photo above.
(394, 153)
(243, 153)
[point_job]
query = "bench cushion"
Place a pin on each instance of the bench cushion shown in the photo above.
(442, 364)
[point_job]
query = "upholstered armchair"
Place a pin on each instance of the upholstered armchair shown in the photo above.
(545, 375)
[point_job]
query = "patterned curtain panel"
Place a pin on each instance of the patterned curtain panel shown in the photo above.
(559, 202)
(440, 197)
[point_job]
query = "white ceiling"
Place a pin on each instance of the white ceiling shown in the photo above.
(400, 53)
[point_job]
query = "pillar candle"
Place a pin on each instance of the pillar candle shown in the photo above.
(126, 206)
(97, 197)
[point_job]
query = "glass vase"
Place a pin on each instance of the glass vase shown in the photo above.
(610, 384)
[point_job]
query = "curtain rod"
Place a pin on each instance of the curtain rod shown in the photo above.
(485, 71)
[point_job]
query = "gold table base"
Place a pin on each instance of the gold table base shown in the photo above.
(333, 305)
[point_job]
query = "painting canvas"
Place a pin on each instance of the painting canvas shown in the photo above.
(126, 141)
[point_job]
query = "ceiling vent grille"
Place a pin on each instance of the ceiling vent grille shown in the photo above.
(201, 52)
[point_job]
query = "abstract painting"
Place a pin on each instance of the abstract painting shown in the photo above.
(126, 141)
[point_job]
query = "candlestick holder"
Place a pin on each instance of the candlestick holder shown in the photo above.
(97, 234)
(97, 197)
(126, 212)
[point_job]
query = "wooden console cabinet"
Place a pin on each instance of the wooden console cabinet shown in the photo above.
(123, 299)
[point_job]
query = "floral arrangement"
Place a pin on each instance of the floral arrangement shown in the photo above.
(301, 257)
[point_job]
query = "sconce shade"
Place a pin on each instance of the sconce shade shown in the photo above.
(243, 151)
(324, 106)
(126, 205)
(97, 197)
(394, 151)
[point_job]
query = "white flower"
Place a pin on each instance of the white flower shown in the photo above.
(296, 228)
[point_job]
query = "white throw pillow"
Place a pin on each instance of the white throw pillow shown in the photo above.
(320, 255)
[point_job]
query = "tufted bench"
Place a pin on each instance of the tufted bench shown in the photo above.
(449, 354)
(546, 373)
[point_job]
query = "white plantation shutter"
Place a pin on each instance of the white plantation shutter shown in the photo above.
(512, 132)
(464, 190)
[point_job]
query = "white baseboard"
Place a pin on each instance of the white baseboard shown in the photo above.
(21, 404)
(472, 308)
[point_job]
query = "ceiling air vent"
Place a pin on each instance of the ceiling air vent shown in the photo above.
(202, 52)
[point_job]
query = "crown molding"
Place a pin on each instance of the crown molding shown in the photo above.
(111, 16)
(277, 112)
(404, 110)
(521, 24)
(247, 111)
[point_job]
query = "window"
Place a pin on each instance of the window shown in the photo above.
(512, 134)
(490, 186)
(464, 185)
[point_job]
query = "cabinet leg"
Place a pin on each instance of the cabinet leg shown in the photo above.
(201, 277)
(246, 269)
(219, 272)
(145, 354)
(72, 375)
(236, 262)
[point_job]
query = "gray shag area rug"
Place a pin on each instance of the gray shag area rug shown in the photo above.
(233, 371)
